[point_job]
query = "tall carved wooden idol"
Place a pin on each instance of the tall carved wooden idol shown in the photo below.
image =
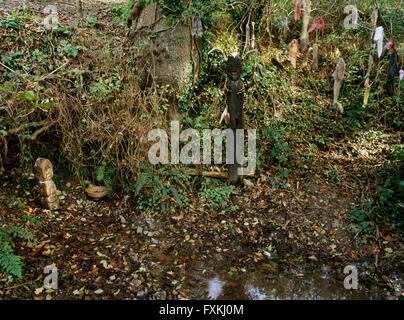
(233, 114)
(234, 102)
(47, 188)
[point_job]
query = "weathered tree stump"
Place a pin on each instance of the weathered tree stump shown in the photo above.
(47, 188)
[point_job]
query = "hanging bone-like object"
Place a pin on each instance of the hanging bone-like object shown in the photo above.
(47, 188)
(338, 76)
(378, 37)
(197, 28)
(293, 51)
(315, 57)
(351, 21)
(366, 95)
(225, 117)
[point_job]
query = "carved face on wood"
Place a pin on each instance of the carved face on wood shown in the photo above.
(234, 66)
(43, 169)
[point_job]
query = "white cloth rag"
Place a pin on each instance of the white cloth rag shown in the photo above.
(378, 37)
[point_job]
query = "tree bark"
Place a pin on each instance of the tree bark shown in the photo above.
(79, 9)
(375, 15)
(304, 37)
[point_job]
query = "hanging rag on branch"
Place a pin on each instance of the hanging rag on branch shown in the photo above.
(285, 24)
(318, 22)
(378, 38)
(297, 10)
(401, 72)
(338, 76)
(390, 45)
(392, 70)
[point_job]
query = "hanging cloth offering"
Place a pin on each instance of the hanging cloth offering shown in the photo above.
(297, 10)
(351, 21)
(285, 23)
(401, 75)
(293, 52)
(378, 37)
(197, 28)
(318, 22)
(392, 71)
(338, 76)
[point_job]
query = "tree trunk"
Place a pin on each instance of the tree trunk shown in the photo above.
(304, 37)
(79, 9)
(375, 15)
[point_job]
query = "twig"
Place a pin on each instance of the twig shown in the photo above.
(3, 65)
(57, 69)
(211, 174)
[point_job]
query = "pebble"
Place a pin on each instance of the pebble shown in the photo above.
(248, 183)
(80, 203)
(162, 295)
(140, 294)
(139, 230)
(154, 241)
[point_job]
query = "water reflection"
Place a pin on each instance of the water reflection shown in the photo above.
(297, 283)
(215, 288)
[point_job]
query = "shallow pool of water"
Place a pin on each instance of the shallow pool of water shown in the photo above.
(297, 283)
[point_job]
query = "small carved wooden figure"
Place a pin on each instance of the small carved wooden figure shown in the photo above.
(47, 188)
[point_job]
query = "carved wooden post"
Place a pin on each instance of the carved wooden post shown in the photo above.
(234, 102)
(47, 188)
